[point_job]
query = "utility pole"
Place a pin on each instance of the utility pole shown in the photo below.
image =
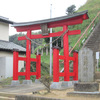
(51, 42)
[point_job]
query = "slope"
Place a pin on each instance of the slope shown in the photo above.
(93, 8)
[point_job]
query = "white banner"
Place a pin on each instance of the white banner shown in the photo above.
(97, 55)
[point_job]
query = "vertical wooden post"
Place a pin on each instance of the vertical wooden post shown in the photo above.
(37, 51)
(46, 50)
(66, 54)
(33, 48)
(38, 66)
(61, 42)
(55, 64)
(42, 52)
(15, 65)
(28, 55)
(75, 66)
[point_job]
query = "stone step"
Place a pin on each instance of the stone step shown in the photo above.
(98, 80)
(89, 44)
(94, 95)
(90, 47)
(94, 37)
(7, 95)
(6, 98)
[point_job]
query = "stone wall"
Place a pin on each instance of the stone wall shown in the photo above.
(6, 64)
(27, 97)
(97, 75)
(93, 42)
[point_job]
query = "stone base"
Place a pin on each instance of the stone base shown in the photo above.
(28, 82)
(74, 82)
(37, 81)
(62, 85)
(86, 87)
(33, 97)
(56, 85)
(84, 94)
(15, 83)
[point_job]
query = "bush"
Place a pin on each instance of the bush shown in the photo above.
(46, 80)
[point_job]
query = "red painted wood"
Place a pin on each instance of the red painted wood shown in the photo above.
(61, 57)
(71, 74)
(28, 56)
(50, 35)
(15, 65)
(41, 36)
(85, 16)
(71, 21)
(22, 38)
(55, 65)
(33, 73)
(61, 74)
(38, 66)
(33, 59)
(66, 54)
(75, 32)
(22, 58)
(56, 57)
(47, 36)
(21, 73)
(75, 66)
(72, 58)
(24, 73)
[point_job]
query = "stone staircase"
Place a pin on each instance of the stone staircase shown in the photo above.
(93, 43)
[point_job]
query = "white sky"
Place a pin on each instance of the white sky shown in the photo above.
(31, 10)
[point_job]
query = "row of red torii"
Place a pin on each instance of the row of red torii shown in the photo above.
(64, 22)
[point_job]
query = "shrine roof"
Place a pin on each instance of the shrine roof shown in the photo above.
(9, 46)
(51, 19)
(5, 20)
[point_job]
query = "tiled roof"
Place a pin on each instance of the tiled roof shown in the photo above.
(6, 20)
(9, 46)
(51, 19)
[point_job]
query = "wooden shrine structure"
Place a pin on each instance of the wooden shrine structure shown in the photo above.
(44, 25)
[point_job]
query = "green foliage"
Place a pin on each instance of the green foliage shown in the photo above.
(57, 29)
(93, 7)
(44, 58)
(44, 64)
(6, 81)
(70, 10)
(14, 39)
(92, 12)
(32, 69)
(44, 68)
(46, 80)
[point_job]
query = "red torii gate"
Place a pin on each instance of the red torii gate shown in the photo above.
(64, 22)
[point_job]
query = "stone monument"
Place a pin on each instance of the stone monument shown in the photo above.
(86, 72)
(86, 65)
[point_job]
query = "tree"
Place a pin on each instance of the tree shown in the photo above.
(46, 81)
(14, 39)
(70, 10)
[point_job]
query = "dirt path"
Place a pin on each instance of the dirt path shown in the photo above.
(62, 94)
(11, 91)
(22, 88)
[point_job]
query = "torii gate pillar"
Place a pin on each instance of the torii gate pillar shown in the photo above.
(63, 22)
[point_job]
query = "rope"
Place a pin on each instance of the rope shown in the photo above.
(84, 32)
(49, 42)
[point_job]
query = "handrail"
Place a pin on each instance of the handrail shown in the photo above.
(84, 32)
(82, 36)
